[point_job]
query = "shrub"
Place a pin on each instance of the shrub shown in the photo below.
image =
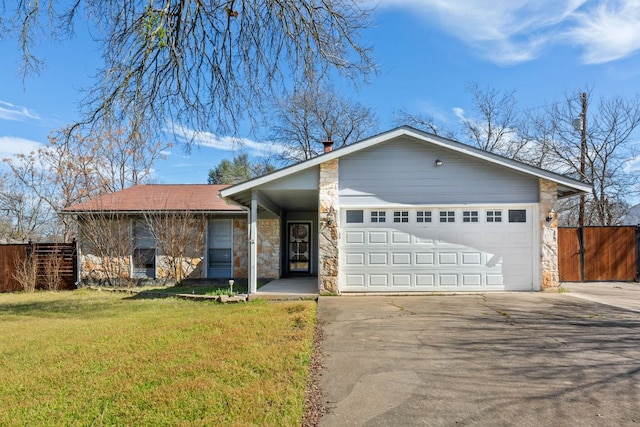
(26, 273)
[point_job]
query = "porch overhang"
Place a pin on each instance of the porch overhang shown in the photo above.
(272, 199)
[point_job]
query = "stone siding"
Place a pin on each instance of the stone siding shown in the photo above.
(328, 224)
(268, 248)
(549, 277)
(95, 267)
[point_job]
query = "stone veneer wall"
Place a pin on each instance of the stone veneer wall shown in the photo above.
(93, 268)
(328, 224)
(549, 276)
(268, 248)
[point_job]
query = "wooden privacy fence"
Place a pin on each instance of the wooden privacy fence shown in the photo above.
(53, 262)
(590, 254)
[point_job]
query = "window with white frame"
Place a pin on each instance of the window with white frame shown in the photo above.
(401, 216)
(423, 216)
(447, 216)
(469, 216)
(494, 216)
(378, 216)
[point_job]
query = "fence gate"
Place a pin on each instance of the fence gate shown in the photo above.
(592, 254)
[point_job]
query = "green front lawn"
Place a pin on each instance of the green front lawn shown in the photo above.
(240, 286)
(101, 358)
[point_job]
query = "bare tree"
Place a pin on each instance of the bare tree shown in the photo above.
(610, 127)
(199, 65)
(180, 239)
(316, 114)
(71, 170)
(105, 239)
(422, 122)
(494, 124)
(23, 215)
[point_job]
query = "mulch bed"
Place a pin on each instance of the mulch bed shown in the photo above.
(314, 402)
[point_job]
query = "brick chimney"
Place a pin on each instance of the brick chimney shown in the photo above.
(328, 145)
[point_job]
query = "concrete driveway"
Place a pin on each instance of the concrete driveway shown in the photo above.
(526, 359)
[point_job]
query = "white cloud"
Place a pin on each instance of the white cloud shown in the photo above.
(510, 32)
(13, 112)
(459, 113)
(226, 143)
(607, 32)
(10, 146)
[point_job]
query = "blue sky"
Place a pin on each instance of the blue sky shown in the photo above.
(427, 50)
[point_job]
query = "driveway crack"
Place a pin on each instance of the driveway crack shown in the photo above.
(504, 313)
(401, 308)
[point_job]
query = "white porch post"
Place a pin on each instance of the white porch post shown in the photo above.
(253, 244)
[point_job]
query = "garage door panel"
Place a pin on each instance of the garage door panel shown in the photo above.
(377, 237)
(378, 258)
(472, 258)
(424, 240)
(355, 280)
(378, 280)
(448, 279)
(399, 258)
(354, 237)
(448, 258)
(400, 237)
(355, 259)
(471, 280)
(437, 256)
(425, 258)
(401, 280)
(425, 280)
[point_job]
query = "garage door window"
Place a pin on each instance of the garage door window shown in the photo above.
(470, 216)
(355, 217)
(378, 216)
(401, 216)
(494, 216)
(448, 216)
(517, 215)
(423, 216)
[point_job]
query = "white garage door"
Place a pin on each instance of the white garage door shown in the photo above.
(444, 249)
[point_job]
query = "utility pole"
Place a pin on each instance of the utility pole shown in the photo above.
(583, 153)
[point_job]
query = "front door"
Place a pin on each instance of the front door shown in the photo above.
(299, 247)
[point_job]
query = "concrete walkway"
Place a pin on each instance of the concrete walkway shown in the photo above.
(289, 287)
(498, 359)
(617, 294)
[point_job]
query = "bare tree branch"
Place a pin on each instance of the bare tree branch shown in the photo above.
(202, 65)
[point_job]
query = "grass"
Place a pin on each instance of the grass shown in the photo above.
(240, 287)
(99, 358)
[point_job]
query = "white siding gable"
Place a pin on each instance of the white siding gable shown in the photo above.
(403, 171)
